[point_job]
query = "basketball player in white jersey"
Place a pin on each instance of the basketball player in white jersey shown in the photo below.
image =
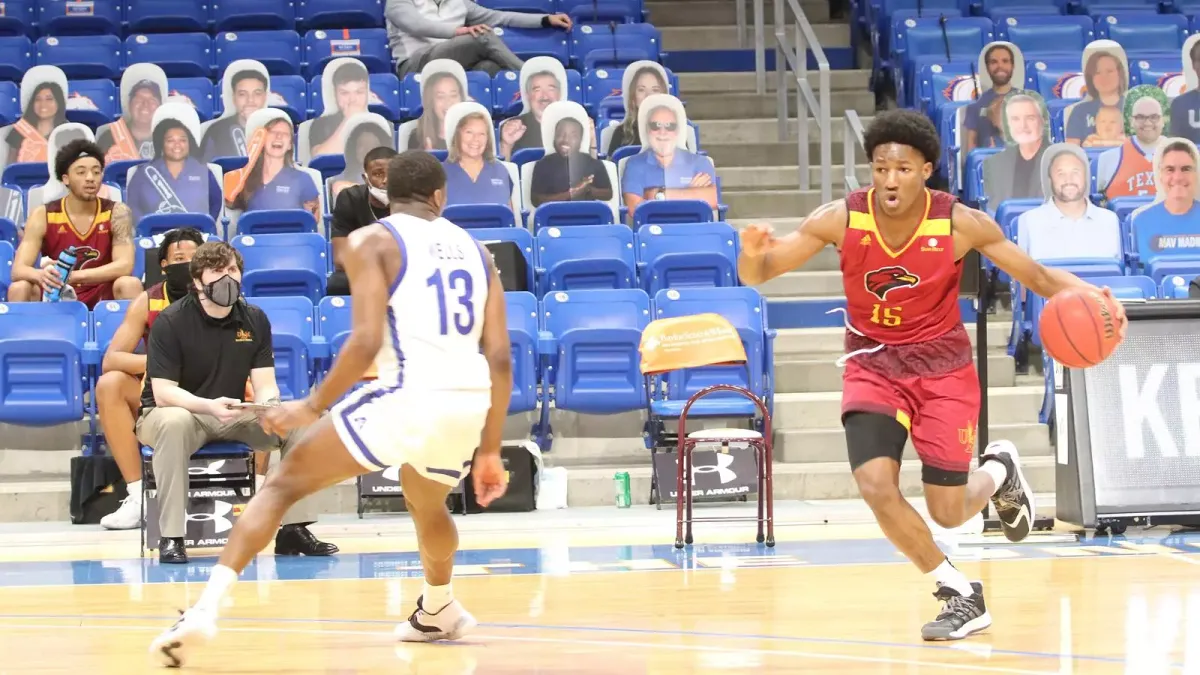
(428, 307)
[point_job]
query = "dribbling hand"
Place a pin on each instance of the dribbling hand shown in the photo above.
(288, 416)
(757, 239)
(1118, 311)
(489, 476)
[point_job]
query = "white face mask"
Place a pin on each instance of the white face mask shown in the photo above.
(378, 194)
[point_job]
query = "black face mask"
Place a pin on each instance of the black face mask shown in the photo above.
(179, 280)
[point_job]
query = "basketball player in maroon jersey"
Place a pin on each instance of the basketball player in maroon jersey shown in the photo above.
(100, 230)
(908, 366)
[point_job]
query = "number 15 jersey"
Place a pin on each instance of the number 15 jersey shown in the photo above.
(436, 309)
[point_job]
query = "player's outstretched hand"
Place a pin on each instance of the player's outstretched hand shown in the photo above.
(1118, 312)
(288, 416)
(756, 239)
(489, 476)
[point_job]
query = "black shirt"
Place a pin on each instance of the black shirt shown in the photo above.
(532, 138)
(555, 174)
(218, 139)
(209, 358)
(353, 209)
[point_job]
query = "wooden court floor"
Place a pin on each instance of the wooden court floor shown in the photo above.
(845, 607)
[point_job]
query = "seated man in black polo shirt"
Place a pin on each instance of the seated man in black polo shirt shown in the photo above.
(202, 349)
(358, 206)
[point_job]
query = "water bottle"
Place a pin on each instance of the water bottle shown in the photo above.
(621, 489)
(66, 263)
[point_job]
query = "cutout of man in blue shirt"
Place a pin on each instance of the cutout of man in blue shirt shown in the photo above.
(664, 170)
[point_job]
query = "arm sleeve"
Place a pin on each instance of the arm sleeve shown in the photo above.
(495, 17)
(343, 216)
(264, 356)
(404, 15)
(164, 359)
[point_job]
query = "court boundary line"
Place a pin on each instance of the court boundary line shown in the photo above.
(597, 643)
(802, 639)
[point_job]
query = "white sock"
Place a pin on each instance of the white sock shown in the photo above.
(135, 490)
(436, 597)
(258, 482)
(997, 470)
(219, 583)
(949, 575)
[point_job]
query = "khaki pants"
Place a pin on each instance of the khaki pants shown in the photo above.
(176, 434)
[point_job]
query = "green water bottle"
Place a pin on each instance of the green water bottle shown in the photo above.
(621, 489)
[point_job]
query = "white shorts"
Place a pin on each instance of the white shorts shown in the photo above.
(434, 432)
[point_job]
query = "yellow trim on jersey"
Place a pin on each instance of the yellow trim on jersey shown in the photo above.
(62, 218)
(904, 420)
(929, 227)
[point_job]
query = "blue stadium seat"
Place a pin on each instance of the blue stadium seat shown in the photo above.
(746, 310)
(591, 343)
(247, 15)
(20, 18)
(530, 42)
(883, 15)
(1128, 287)
(75, 17)
(386, 87)
(1096, 8)
(25, 175)
(282, 221)
(284, 264)
(599, 85)
(369, 45)
(159, 223)
(672, 211)
(339, 14)
(517, 235)
(16, 57)
(1049, 76)
(106, 319)
(1173, 287)
(1154, 72)
(601, 13)
(1142, 32)
(614, 46)
(291, 337)
(291, 88)
(178, 54)
(523, 334)
(939, 83)
(686, 255)
(571, 214)
(480, 216)
(506, 92)
(198, 90)
(6, 260)
(117, 172)
(333, 321)
(928, 39)
(585, 257)
(102, 97)
(83, 56)
(167, 16)
(535, 6)
(10, 103)
(996, 9)
(278, 50)
(1008, 212)
(479, 88)
(42, 368)
(8, 231)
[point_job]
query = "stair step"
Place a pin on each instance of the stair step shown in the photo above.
(699, 83)
(721, 13)
(711, 37)
(705, 106)
(761, 203)
(820, 372)
(832, 340)
(823, 410)
(766, 130)
(829, 445)
(779, 177)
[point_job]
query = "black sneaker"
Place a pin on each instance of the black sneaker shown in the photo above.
(960, 617)
(1013, 502)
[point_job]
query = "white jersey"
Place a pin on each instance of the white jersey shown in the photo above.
(436, 309)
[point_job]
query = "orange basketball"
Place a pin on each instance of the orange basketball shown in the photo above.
(1078, 328)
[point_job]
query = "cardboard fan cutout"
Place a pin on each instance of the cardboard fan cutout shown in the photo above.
(568, 171)
(43, 108)
(143, 89)
(345, 92)
(360, 134)
(543, 81)
(443, 85)
(1097, 120)
(176, 180)
(245, 89)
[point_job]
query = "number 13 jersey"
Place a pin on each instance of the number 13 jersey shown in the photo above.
(435, 311)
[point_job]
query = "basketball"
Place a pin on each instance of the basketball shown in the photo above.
(1078, 328)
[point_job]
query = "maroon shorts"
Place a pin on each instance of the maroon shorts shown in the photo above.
(940, 412)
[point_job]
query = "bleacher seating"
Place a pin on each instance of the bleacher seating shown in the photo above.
(178, 54)
(292, 331)
(686, 255)
(585, 257)
(167, 16)
(42, 369)
(247, 15)
(72, 17)
(522, 318)
(284, 264)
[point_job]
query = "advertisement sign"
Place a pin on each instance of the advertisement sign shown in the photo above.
(717, 476)
(386, 484)
(211, 513)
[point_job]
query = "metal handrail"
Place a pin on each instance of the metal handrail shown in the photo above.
(791, 56)
(852, 139)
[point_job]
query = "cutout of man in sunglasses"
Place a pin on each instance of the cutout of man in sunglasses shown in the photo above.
(664, 169)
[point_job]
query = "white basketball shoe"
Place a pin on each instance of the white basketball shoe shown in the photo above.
(194, 628)
(449, 623)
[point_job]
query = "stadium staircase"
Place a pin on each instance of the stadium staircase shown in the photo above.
(759, 174)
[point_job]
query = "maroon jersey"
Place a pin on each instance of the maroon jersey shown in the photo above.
(158, 300)
(93, 247)
(903, 304)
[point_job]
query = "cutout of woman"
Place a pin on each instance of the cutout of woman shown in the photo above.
(543, 81)
(245, 89)
(54, 189)
(568, 172)
(143, 89)
(271, 179)
(443, 85)
(641, 79)
(44, 108)
(1106, 77)
(176, 180)
(473, 173)
(360, 134)
(346, 92)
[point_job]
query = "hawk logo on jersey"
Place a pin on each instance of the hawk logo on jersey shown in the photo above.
(85, 256)
(879, 282)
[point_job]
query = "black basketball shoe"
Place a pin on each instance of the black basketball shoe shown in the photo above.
(960, 617)
(1014, 501)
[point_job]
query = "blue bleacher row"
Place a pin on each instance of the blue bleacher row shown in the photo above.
(97, 102)
(573, 350)
(286, 52)
(99, 17)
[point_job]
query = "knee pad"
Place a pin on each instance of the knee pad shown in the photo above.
(872, 435)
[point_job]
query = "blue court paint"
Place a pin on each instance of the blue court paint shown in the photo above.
(564, 561)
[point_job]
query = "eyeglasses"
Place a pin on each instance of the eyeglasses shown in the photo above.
(1142, 119)
(663, 126)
